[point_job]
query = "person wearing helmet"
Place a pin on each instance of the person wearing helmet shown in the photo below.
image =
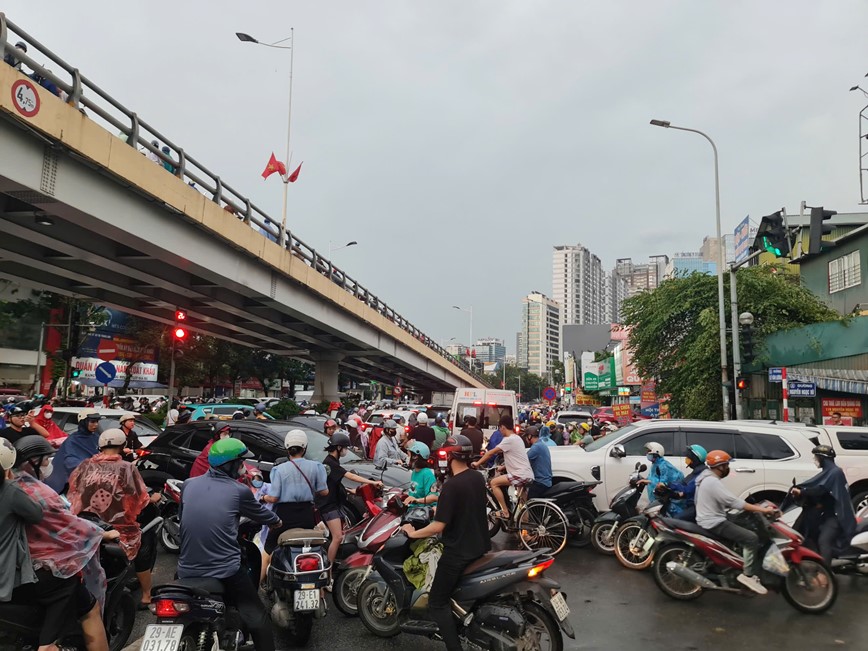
(827, 517)
(237, 415)
(712, 502)
(61, 546)
(16, 418)
(587, 434)
(518, 469)
(661, 472)
(337, 447)
(295, 486)
(683, 506)
(127, 423)
(259, 412)
(461, 521)
(441, 431)
(201, 464)
(82, 444)
(423, 482)
(354, 431)
(330, 427)
(421, 432)
(387, 451)
(211, 506)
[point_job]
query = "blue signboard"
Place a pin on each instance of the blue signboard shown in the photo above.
(802, 389)
(743, 239)
(652, 410)
(105, 372)
(776, 375)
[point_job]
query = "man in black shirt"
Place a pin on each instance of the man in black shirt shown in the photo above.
(15, 429)
(422, 432)
(462, 521)
(471, 431)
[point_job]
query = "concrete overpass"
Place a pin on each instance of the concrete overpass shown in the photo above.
(84, 213)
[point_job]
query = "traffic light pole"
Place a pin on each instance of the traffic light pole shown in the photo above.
(736, 344)
(172, 371)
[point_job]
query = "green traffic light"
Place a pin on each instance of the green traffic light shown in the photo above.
(771, 248)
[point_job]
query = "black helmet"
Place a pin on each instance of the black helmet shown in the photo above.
(338, 440)
(824, 451)
(457, 447)
(30, 447)
(184, 417)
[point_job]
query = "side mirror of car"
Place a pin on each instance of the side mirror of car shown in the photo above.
(618, 451)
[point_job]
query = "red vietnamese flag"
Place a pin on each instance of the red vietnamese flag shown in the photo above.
(273, 166)
(294, 176)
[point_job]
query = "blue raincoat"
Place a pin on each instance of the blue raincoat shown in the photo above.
(545, 435)
(664, 472)
(80, 445)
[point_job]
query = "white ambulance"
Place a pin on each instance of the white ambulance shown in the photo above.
(486, 405)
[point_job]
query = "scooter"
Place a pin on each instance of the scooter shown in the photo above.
(634, 539)
(193, 613)
(503, 601)
(622, 506)
(296, 580)
(690, 560)
(170, 507)
(355, 569)
(20, 625)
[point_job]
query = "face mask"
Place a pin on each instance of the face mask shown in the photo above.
(817, 462)
(651, 457)
(47, 469)
(257, 483)
(242, 471)
(725, 472)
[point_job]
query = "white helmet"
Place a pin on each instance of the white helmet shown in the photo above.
(113, 438)
(7, 454)
(654, 448)
(422, 418)
(295, 438)
(127, 415)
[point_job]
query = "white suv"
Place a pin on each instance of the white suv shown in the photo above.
(766, 459)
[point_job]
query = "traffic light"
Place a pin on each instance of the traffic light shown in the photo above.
(180, 315)
(76, 372)
(775, 238)
(568, 389)
(819, 229)
(180, 334)
(746, 340)
(741, 383)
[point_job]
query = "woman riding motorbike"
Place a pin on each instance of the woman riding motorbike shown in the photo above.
(686, 490)
(827, 517)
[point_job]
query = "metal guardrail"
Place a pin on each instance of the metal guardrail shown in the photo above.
(82, 94)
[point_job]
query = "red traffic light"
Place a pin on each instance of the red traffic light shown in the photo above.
(180, 315)
(741, 383)
(180, 334)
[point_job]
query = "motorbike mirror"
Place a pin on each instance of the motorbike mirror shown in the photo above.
(643, 468)
(380, 465)
(794, 481)
(618, 451)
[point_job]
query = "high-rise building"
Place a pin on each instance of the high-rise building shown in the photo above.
(615, 291)
(710, 253)
(687, 263)
(577, 285)
(490, 349)
(539, 341)
(641, 277)
(520, 350)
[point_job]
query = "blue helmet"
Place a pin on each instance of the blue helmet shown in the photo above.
(696, 453)
(417, 447)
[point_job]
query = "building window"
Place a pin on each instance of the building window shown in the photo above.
(845, 272)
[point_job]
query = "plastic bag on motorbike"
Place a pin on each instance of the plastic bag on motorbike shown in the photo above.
(775, 562)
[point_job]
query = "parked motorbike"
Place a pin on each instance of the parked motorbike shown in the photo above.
(352, 571)
(296, 580)
(502, 602)
(170, 506)
(576, 500)
(20, 625)
(193, 613)
(622, 506)
(690, 560)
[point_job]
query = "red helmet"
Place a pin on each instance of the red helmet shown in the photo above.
(717, 458)
(329, 423)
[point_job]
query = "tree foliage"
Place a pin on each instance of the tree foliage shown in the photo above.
(674, 331)
(520, 381)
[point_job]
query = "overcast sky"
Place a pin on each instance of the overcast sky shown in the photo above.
(459, 140)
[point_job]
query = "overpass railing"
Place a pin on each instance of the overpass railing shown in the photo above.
(82, 93)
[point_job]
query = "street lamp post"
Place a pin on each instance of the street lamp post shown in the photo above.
(247, 38)
(724, 379)
(338, 248)
(469, 310)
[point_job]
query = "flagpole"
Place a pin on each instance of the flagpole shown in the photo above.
(288, 137)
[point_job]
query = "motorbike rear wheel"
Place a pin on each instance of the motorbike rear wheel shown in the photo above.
(629, 540)
(670, 583)
(345, 592)
(542, 631)
(494, 524)
(300, 629)
(581, 520)
(603, 537)
(378, 610)
(170, 537)
(119, 621)
(810, 587)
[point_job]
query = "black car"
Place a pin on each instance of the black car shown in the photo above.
(174, 451)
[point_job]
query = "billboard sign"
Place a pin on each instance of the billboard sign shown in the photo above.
(802, 390)
(744, 237)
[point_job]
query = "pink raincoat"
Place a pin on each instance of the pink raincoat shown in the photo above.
(113, 490)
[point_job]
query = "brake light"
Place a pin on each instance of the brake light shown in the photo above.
(442, 453)
(168, 608)
(308, 563)
(141, 453)
(477, 402)
(539, 569)
(492, 404)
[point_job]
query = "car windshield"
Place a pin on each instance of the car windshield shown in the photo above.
(316, 441)
(608, 438)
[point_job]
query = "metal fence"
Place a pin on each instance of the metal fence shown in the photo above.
(81, 93)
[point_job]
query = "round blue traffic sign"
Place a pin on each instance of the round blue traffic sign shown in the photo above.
(549, 393)
(105, 372)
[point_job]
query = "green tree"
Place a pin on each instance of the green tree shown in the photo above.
(674, 332)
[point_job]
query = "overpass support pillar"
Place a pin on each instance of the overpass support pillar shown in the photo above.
(427, 397)
(326, 376)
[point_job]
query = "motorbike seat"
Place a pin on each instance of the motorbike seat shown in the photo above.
(308, 537)
(690, 527)
(565, 487)
(493, 560)
(203, 586)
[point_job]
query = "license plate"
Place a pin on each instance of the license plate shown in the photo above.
(304, 600)
(560, 606)
(649, 543)
(162, 637)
